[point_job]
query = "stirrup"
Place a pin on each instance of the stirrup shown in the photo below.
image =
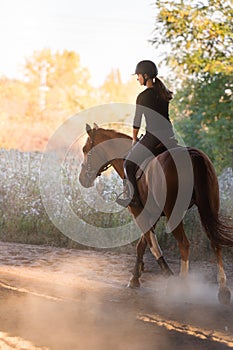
(125, 202)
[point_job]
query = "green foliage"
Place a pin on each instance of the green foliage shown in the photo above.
(200, 35)
(209, 107)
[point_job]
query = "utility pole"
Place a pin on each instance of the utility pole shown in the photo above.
(43, 84)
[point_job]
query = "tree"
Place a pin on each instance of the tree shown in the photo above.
(203, 113)
(114, 90)
(13, 98)
(54, 87)
(58, 83)
(200, 37)
(199, 34)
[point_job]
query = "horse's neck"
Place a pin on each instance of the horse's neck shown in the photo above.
(117, 151)
(118, 166)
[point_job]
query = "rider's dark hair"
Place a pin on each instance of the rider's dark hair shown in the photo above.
(162, 90)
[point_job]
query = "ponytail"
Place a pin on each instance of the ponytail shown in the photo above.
(162, 90)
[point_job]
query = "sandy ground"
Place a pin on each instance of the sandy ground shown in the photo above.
(67, 299)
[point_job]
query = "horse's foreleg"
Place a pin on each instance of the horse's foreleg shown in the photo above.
(224, 294)
(150, 236)
(150, 239)
(139, 264)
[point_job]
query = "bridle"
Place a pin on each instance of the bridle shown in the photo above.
(90, 172)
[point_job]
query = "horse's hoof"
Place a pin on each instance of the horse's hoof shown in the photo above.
(224, 295)
(138, 269)
(167, 273)
(165, 269)
(134, 283)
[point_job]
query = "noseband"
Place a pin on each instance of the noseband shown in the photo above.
(90, 173)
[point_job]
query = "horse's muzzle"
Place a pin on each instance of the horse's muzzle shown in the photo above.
(85, 181)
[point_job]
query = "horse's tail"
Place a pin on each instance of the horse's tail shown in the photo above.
(206, 192)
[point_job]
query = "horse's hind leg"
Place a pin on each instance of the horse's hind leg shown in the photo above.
(224, 294)
(156, 251)
(139, 265)
(183, 244)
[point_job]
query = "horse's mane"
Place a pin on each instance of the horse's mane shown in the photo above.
(115, 133)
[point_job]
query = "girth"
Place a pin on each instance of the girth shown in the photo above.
(142, 168)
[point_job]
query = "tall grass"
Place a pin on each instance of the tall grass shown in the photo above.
(23, 217)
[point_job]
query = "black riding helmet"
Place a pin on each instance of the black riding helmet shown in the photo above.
(146, 67)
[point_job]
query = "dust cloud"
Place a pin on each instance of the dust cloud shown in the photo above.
(59, 299)
(93, 319)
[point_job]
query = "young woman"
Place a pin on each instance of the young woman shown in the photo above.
(153, 104)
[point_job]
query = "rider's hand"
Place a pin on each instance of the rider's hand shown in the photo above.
(134, 142)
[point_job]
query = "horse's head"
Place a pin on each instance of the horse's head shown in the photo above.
(103, 148)
(93, 163)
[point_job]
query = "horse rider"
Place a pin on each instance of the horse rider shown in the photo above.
(153, 104)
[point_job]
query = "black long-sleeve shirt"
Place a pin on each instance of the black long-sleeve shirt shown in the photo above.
(155, 110)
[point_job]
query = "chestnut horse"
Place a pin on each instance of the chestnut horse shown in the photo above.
(161, 176)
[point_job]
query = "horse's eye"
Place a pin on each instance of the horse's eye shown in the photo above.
(84, 149)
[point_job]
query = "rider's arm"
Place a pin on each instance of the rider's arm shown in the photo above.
(137, 117)
(135, 134)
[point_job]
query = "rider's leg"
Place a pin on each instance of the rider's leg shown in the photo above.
(143, 149)
(130, 186)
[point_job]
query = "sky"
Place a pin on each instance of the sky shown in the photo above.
(106, 34)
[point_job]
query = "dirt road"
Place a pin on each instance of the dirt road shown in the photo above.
(60, 299)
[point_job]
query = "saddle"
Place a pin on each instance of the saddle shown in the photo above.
(159, 149)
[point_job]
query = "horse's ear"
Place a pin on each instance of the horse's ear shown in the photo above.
(88, 129)
(95, 126)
